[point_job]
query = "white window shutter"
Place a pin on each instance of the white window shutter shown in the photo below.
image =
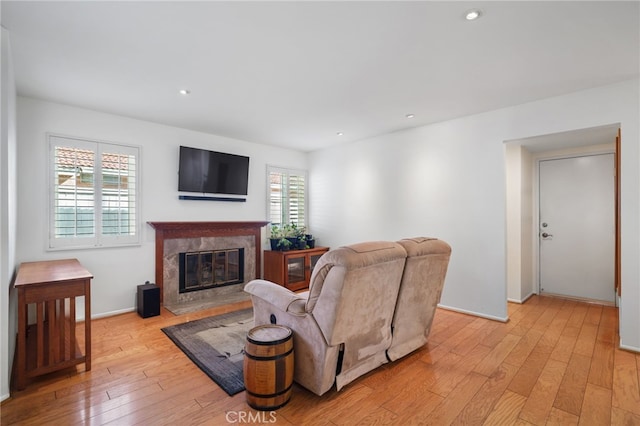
(287, 196)
(93, 193)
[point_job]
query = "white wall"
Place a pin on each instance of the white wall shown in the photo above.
(519, 222)
(527, 277)
(444, 180)
(117, 271)
(448, 180)
(7, 212)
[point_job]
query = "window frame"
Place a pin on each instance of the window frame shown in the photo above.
(98, 239)
(288, 171)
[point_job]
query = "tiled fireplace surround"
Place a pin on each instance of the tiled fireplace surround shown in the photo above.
(173, 238)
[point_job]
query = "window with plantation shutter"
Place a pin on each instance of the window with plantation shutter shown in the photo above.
(94, 194)
(287, 194)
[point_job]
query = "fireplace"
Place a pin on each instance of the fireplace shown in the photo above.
(206, 240)
(201, 270)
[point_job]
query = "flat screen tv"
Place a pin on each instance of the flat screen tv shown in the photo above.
(212, 172)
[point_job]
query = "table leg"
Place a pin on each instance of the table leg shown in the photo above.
(87, 324)
(21, 373)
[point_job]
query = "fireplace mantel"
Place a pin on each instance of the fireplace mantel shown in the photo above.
(170, 230)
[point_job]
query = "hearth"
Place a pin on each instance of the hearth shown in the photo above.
(202, 270)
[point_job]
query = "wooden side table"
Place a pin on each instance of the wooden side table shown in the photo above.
(50, 344)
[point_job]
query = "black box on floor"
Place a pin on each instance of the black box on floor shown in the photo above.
(148, 300)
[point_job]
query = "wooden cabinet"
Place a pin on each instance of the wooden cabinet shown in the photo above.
(291, 269)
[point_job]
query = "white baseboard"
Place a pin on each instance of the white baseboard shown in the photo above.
(629, 348)
(112, 313)
(475, 314)
(80, 317)
(3, 397)
(521, 301)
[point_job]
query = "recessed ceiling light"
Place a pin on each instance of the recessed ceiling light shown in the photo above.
(184, 92)
(409, 115)
(339, 133)
(473, 14)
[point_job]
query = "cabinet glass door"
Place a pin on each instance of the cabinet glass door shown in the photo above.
(314, 259)
(295, 270)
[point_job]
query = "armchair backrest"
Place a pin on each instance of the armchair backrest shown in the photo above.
(354, 282)
(352, 296)
(422, 282)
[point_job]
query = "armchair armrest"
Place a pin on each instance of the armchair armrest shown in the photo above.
(278, 296)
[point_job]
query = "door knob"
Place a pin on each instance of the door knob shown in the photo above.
(545, 235)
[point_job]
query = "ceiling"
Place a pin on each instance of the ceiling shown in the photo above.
(295, 74)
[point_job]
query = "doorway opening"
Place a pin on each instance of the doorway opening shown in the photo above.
(524, 227)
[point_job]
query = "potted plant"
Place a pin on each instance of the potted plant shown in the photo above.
(295, 235)
(275, 236)
(302, 242)
(311, 242)
(284, 244)
(302, 237)
(298, 233)
(280, 237)
(289, 231)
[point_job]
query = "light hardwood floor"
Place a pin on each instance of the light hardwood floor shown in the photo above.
(555, 362)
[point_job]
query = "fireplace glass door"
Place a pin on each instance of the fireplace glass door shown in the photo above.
(206, 269)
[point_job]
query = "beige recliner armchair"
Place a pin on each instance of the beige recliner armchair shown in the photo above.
(342, 325)
(420, 290)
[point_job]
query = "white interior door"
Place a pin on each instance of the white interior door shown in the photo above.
(577, 228)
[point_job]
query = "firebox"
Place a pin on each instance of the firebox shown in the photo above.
(213, 268)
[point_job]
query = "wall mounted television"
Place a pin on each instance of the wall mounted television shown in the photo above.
(212, 172)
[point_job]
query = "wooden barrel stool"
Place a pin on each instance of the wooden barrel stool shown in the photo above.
(268, 366)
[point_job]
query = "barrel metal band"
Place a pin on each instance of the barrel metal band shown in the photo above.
(273, 395)
(269, 358)
(270, 342)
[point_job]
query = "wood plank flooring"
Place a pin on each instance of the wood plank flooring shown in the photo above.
(556, 362)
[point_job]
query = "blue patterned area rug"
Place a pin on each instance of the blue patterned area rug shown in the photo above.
(216, 345)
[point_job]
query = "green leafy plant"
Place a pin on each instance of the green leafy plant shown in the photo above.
(284, 243)
(294, 235)
(276, 232)
(287, 231)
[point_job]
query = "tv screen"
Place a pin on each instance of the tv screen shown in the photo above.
(212, 172)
